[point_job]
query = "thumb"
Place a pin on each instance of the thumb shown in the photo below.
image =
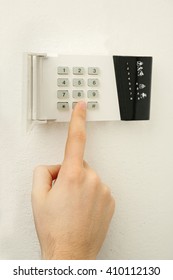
(42, 179)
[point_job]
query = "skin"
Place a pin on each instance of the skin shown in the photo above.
(72, 207)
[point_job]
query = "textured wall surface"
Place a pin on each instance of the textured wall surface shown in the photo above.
(134, 158)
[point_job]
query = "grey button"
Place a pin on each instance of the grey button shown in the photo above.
(92, 105)
(93, 70)
(78, 82)
(63, 106)
(74, 104)
(93, 93)
(78, 70)
(93, 82)
(78, 93)
(62, 94)
(63, 82)
(63, 70)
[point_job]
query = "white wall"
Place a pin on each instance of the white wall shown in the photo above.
(134, 158)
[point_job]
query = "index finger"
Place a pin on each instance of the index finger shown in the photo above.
(75, 145)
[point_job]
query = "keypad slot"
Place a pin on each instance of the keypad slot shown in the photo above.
(78, 94)
(78, 82)
(63, 94)
(93, 82)
(63, 106)
(92, 105)
(78, 70)
(93, 94)
(93, 70)
(63, 70)
(63, 82)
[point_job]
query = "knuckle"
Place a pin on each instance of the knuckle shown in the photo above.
(95, 180)
(38, 169)
(75, 175)
(107, 192)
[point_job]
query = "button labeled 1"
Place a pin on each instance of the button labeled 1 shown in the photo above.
(63, 70)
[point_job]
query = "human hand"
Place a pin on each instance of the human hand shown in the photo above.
(72, 214)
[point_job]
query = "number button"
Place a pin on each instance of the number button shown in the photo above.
(92, 105)
(63, 82)
(78, 70)
(74, 104)
(93, 82)
(93, 93)
(93, 70)
(63, 94)
(78, 82)
(78, 93)
(63, 106)
(63, 70)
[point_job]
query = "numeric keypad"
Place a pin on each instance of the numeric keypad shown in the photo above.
(76, 88)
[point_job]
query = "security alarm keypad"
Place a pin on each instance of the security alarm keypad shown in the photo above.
(85, 86)
(114, 88)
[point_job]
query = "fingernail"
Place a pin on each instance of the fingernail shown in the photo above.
(82, 105)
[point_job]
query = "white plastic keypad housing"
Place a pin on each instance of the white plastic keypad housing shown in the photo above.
(50, 98)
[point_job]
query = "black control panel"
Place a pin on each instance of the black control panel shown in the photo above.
(133, 78)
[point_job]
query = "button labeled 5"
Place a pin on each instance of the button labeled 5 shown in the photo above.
(78, 82)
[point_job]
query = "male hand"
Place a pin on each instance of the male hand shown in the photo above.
(72, 207)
